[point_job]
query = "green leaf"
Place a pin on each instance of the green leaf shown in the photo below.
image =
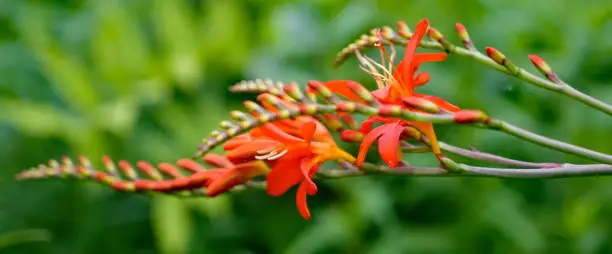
(37, 119)
(66, 72)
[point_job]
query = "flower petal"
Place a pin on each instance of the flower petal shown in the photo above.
(306, 166)
(366, 126)
(283, 176)
(248, 151)
(217, 160)
(342, 87)
(300, 200)
(276, 133)
(405, 69)
(421, 79)
(368, 140)
(224, 182)
(388, 144)
(428, 130)
(237, 141)
(427, 57)
(439, 102)
(307, 131)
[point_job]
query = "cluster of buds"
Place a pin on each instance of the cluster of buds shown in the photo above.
(286, 136)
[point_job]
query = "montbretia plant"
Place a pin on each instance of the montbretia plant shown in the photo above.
(286, 135)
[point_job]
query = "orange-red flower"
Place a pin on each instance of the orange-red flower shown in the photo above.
(396, 86)
(225, 176)
(294, 154)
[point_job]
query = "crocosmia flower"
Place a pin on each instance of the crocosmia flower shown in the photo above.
(396, 86)
(295, 156)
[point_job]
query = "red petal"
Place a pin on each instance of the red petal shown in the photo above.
(284, 175)
(307, 131)
(251, 169)
(388, 144)
(275, 133)
(237, 141)
(248, 151)
(427, 57)
(300, 200)
(420, 30)
(367, 142)
(224, 183)
(217, 160)
(366, 126)
(421, 79)
(306, 166)
(440, 102)
(342, 87)
(381, 94)
(427, 129)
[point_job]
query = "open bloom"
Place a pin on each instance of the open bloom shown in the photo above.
(294, 156)
(396, 85)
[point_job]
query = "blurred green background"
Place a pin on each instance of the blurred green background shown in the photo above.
(147, 79)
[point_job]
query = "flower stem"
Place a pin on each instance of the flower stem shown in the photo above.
(521, 74)
(548, 142)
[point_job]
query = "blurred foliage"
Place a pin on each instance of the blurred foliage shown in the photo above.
(147, 79)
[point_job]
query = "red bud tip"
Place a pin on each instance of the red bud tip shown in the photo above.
(460, 28)
(469, 116)
(124, 164)
(351, 136)
(536, 60)
(106, 160)
(403, 30)
(189, 165)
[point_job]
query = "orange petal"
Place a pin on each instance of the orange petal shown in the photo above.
(367, 142)
(217, 160)
(342, 87)
(300, 200)
(427, 57)
(307, 131)
(439, 102)
(237, 141)
(275, 133)
(366, 126)
(421, 79)
(284, 175)
(388, 144)
(251, 169)
(306, 166)
(223, 183)
(428, 130)
(248, 151)
(420, 30)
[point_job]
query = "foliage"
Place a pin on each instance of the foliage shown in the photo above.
(153, 71)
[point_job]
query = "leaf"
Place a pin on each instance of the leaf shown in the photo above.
(175, 30)
(172, 224)
(37, 119)
(120, 51)
(66, 72)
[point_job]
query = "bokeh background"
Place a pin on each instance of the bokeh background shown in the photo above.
(147, 79)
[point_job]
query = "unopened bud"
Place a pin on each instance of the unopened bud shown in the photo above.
(464, 36)
(469, 116)
(544, 68)
(403, 30)
(500, 59)
(351, 136)
(422, 104)
(435, 35)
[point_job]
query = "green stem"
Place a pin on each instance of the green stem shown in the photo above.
(521, 74)
(548, 142)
